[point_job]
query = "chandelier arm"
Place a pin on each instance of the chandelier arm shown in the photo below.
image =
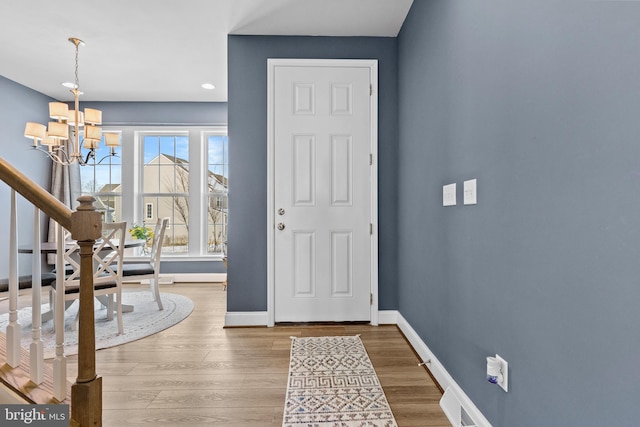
(107, 156)
(64, 155)
(90, 155)
(63, 160)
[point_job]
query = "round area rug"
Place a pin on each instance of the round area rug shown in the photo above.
(144, 320)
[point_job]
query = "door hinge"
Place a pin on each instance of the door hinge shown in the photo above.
(371, 229)
(370, 159)
(370, 299)
(370, 90)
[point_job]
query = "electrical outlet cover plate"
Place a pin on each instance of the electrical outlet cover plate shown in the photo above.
(449, 195)
(470, 192)
(504, 368)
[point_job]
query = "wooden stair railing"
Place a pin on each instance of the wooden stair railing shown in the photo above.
(86, 227)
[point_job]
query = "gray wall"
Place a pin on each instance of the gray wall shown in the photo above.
(19, 105)
(540, 102)
(248, 155)
(162, 113)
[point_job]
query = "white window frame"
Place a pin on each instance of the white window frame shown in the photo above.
(132, 156)
(219, 130)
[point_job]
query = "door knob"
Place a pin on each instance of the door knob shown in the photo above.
(280, 226)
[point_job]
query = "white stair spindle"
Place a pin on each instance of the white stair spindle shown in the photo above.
(13, 329)
(60, 361)
(36, 349)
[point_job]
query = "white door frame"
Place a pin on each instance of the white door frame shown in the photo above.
(372, 64)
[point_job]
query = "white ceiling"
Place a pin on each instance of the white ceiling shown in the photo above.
(163, 50)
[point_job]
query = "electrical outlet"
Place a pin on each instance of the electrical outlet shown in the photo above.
(503, 381)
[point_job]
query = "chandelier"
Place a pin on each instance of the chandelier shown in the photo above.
(52, 139)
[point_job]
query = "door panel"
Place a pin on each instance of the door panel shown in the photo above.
(304, 264)
(304, 162)
(322, 244)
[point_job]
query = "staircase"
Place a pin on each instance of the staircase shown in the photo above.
(18, 380)
(23, 371)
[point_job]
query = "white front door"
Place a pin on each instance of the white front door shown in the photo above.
(322, 194)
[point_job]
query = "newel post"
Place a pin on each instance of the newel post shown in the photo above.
(86, 392)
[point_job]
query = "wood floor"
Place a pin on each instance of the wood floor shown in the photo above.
(199, 374)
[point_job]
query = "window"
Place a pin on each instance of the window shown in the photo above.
(165, 185)
(102, 179)
(217, 184)
(179, 173)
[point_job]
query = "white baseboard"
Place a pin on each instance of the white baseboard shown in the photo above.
(198, 277)
(439, 372)
(387, 317)
(169, 279)
(246, 318)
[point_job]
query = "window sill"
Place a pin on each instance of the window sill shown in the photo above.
(179, 258)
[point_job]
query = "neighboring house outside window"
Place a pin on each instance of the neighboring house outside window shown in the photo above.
(165, 183)
(217, 184)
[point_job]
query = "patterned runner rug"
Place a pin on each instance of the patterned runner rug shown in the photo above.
(332, 383)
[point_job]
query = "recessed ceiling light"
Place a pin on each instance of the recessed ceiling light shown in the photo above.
(208, 86)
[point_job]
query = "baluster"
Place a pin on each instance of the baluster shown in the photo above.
(60, 361)
(13, 328)
(36, 349)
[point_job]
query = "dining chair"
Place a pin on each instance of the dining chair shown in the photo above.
(107, 279)
(149, 269)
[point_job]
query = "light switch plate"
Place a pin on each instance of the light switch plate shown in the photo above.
(470, 192)
(449, 195)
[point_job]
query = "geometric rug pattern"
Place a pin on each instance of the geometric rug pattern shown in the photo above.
(144, 320)
(332, 383)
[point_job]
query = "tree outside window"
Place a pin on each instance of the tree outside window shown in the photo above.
(217, 183)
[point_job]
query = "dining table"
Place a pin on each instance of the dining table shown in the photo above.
(52, 247)
(47, 248)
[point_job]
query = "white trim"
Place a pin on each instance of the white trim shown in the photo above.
(180, 258)
(187, 278)
(388, 317)
(439, 372)
(373, 104)
(272, 63)
(271, 315)
(198, 277)
(246, 318)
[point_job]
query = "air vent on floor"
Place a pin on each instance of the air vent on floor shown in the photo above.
(453, 409)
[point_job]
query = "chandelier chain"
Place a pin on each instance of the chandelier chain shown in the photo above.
(76, 70)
